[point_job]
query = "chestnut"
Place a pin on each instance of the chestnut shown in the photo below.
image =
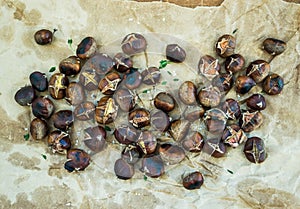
(38, 81)
(256, 102)
(78, 160)
(209, 67)
(94, 138)
(273, 84)
(146, 142)
(122, 62)
(86, 48)
(43, 36)
(59, 141)
(70, 66)
(151, 76)
(106, 111)
(25, 96)
(58, 84)
(231, 108)
(244, 84)
(38, 129)
(160, 121)
(179, 129)
(234, 63)
(251, 120)
(223, 81)
(89, 79)
(125, 98)
(225, 45)
(254, 150)
(108, 85)
(193, 142)
(187, 93)
(75, 93)
(274, 46)
(193, 113)
(153, 166)
(175, 53)
(85, 111)
(214, 147)
(123, 170)
(258, 70)
(139, 118)
(100, 63)
(164, 101)
(42, 107)
(125, 134)
(132, 80)
(210, 96)
(171, 154)
(63, 119)
(215, 120)
(131, 154)
(134, 43)
(193, 180)
(233, 135)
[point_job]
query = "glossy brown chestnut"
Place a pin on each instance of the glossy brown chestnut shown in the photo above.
(193, 180)
(123, 170)
(254, 150)
(187, 93)
(193, 142)
(89, 79)
(223, 82)
(171, 154)
(85, 111)
(58, 84)
(125, 98)
(123, 62)
(160, 121)
(134, 43)
(175, 53)
(59, 141)
(233, 135)
(100, 63)
(210, 96)
(38, 81)
(153, 166)
(86, 48)
(70, 66)
(231, 108)
(139, 118)
(94, 138)
(179, 129)
(164, 101)
(251, 120)
(106, 110)
(193, 113)
(258, 70)
(42, 107)
(225, 45)
(215, 120)
(43, 36)
(75, 93)
(125, 134)
(78, 160)
(256, 102)
(132, 80)
(244, 84)
(146, 142)
(131, 154)
(209, 67)
(151, 76)
(25, 96)
(63, 119)
(234, 63)
(108, 85)
(38, 129)
(214, 147)
(273, 84)
(274, 46)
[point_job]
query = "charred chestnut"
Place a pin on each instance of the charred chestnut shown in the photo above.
(123, 170)
(125, 134)
(70, 66)
(251, 120)
(254, 150)
(214, 147)
(94, 138)
(43, 36)
(38, 81)
(258, 70)
(25, 96)
(215, 120)
(139, 118)
(42, 107)
(58, 84)
(179, 129)
(171, 154)
(210, 96)
(122, 62)
(63, 119)
(75, 93)
(164, 101)
(244, 84)
(153, 166)
(89, 79)
(233, 136)
(231, 108)
(187, 93)
(193, 180)
(151, 76)
(274, 46)
(106, 111)
(234, 63)
(209, 67)
(160, 121)
(223, 82)
(193, 142)
(78, 160)
(132, 80)
(85, 111)
(59, 141)
(273, 84)
(86, 48)
(256, 102)
(175, 53)
(147, 142)
(38, 129)
(126, 99)
(108, 85)
(193, 113)
(134, 43)
(225, 45)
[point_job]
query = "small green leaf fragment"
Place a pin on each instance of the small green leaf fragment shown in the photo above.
(175, 79)
(163, 63)
(44, 156)
(52, 69)
(145, 178)
(145, 91)
(70, 41)
(26, 136)
(164, 83)
(235, 30)
(229, 171)
(107, 128)
(169, 73)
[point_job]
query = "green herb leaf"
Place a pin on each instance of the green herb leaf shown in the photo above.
(235, 31)
(107, 128)
(145, 178)
(145, 91)
(175, 79)
(26, 136)
(229, 171)
(70, 41)
(163, 63)
(169, 73)
(52, 69)
(164, 83)
(44, 156)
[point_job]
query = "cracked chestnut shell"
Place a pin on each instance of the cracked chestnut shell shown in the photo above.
(106, 110)
(274, 46)
(254, 150)
(210, 96)
(75, 93)
(215, 120)
(193, 142)
(193, 180)
(89, 79)
(164, 101)
(175, 53)
(108, 85)
(131, 154)
(214, 147)
(139, 118)
(123, 170)
(146, 142)
(171, 154)
(234, 63)
(256, 102)
(63, 119)
(153, 166)
(125, 98)
(86, 48)
(188, 93)
(125, 134)
(179, 129)
(39, 81)
(78, 160)
(233, 135)
(258, 70)
(251, 120)
(38, 129)
(59, 141)
(151, 76)
(70, 66)
(134, 43)
(85, 111)
(122, 62)
(224, 82)
(25, 96)
(42, 107)
(94, 138)
(43, 36)
(231, 108)
(273, 84)
(244, 84)
(58, 84)
(209, 67)
(225, 45)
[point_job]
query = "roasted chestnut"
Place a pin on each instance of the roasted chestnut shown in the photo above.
(38, 129)
(94, 138)
(223, 81)
(85, 111)
(254, 150)
(70, 66)
(153, 166)
(147, 142)
(125, 98)
(179, 129)
(273, 84)
(108, 85)
(175, 53)
(193, 142)
(274, 46)
(78, 160)
(123, 170)
(215, 120)
(75, 93)
(38, 81)
(43, 36)
(89, 79)
(244, 84)
(164, 101)
(63, 119)
(151, 76)
(25, 96)
(59, 141)
(86, 48)
(214, 147)
(231, 108)
(122, 62)
(106, 111)
(139, 118)
(132, 80)
(225, 45)
(256, 102)
(100, 63)
(233, 135)
(209, 67)
(258, 70)
(187, 93)
(193, 180)
(125, 134)
(210, 96)
(193, 113)
(160, 121)
(234, 63)
(171, 154)
(42, 107)
(251, 120)
(134, 43)
(58, 84)
(131, 154)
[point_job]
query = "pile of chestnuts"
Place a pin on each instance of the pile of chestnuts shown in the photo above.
(140, 131)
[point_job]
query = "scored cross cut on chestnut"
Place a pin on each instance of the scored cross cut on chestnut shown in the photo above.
(108, 96)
